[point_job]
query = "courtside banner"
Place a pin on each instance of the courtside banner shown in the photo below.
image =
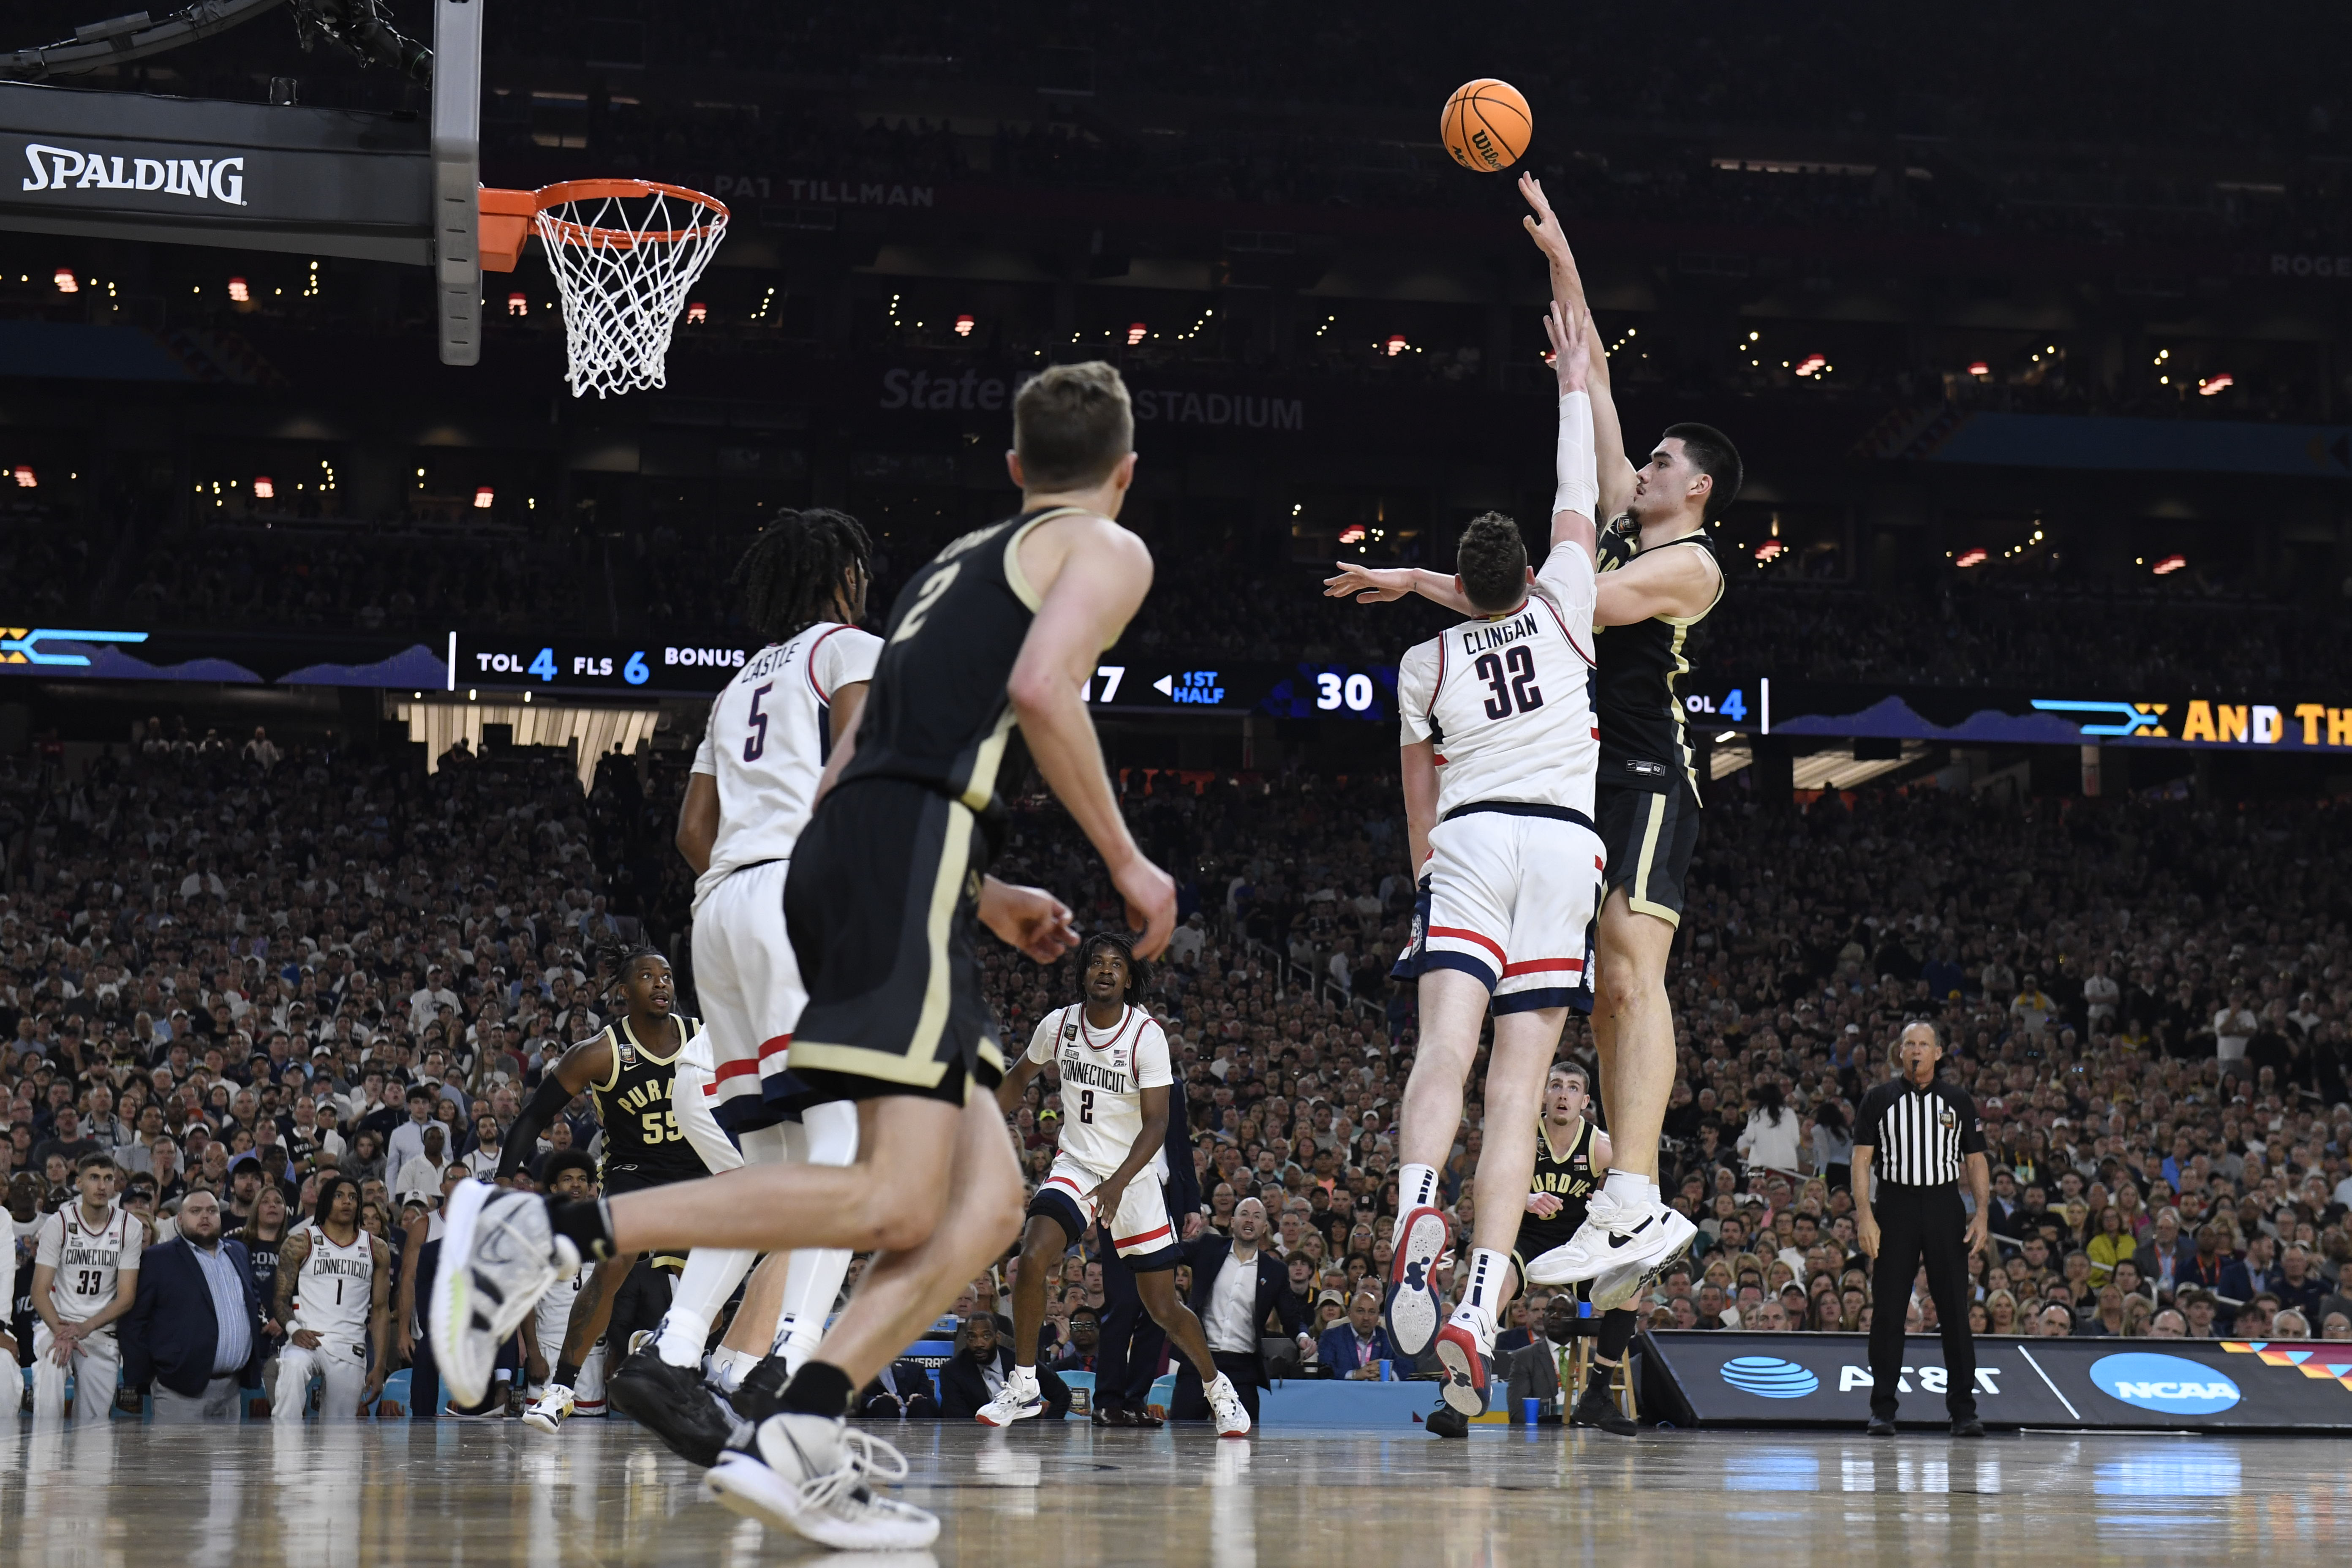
(1732, 1379)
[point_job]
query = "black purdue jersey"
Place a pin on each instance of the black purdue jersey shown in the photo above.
(1642, 745)
(937, 712)
(1566, 1174)
(641, 1131)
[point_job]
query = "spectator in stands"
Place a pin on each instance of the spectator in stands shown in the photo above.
(1355, 1348)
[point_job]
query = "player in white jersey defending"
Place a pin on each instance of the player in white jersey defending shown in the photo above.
(754, 785)
(1499, 760)
(1116, 1080)
(335, 1296)
(85, 1275)
(570, 1174)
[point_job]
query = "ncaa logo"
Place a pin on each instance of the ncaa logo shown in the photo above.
(2170, 1383)
(1770, 1377)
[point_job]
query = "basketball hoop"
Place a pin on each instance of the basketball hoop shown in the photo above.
(625, 254)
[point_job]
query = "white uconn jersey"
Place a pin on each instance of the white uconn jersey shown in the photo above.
(1507, 701)
(1104, 1075)
(336, 1288)
(89, 1261)
(769, 735)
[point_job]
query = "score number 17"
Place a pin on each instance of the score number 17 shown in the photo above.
(1110, 675)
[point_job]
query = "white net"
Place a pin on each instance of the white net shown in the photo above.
(624, 256)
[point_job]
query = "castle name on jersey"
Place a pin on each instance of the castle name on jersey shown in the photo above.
(1478, 639)
(1078, 1070)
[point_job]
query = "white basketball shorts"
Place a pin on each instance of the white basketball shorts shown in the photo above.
(747, 980)
(1512, 901)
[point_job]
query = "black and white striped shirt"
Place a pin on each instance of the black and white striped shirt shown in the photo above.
(1918, 1137)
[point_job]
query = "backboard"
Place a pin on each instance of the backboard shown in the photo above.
(253, 176)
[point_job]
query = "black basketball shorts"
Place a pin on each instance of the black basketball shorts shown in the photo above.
(1649, 836)
(882, 907)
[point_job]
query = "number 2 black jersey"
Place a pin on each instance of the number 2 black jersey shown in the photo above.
(641, 1131)
(938, 714)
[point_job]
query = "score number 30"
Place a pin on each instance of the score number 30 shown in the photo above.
(1355, 692)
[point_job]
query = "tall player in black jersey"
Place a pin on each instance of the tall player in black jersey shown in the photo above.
(888, 888)
(627, 1070)
(1659, 578)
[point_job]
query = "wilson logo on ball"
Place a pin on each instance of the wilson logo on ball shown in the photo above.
(1486, 125)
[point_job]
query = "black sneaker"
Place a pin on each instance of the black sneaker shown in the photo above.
(674, 1405)
(1968, 1426)
(1881, 1427)
(1596, 1409)
(761, 1392)
(1447, 1421)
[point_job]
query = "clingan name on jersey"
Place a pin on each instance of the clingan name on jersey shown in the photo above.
(1478, 639)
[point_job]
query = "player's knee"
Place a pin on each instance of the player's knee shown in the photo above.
(898, 1227)
(1618, 989)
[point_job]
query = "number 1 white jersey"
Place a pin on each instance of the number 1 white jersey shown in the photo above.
(769, 735)
(1104, 1075)
(335, 1294)
(1507, 700)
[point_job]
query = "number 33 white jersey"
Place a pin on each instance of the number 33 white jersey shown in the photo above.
(1507, 700)
(770, 733)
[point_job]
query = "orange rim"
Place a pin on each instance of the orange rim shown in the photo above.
(567, 232)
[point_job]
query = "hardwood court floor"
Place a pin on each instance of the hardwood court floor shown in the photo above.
(602, 1493)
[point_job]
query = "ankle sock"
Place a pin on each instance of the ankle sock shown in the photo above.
(819, 1388)
(1416, 1187)
(587, 1225)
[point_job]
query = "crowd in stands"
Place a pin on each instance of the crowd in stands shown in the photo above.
(2149, 1002)
(235, 969)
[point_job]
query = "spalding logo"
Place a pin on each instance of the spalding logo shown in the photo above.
(1770, 1377)
(2173, 1384)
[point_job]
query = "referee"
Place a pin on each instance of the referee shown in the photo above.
(1914, 1131)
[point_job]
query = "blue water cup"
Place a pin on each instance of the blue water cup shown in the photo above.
(1387, 1371)
(1530, 1411)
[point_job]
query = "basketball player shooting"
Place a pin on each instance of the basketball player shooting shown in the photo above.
(1116, 1082)
(887, 885)
(1497, 761)
(1659, 577)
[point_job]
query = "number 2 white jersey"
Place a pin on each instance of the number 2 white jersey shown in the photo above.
(1507, 700)
(88, 1262)
(1104, 1075)
(769, 735)
(336, 1290)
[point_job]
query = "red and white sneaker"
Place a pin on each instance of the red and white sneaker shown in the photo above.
(1463, 1350)
(1413, 1310)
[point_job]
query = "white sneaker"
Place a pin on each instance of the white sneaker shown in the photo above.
(1225, 1403)
(1018, 1400)
(809, 1474)
(1616, 1234)
(548, 1411)
(1613, 1288)
(1465, 1348)
(498, 1258)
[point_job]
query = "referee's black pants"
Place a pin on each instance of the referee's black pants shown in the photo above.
(1916, 1225)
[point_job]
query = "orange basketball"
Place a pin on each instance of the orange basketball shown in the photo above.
(1486, 125)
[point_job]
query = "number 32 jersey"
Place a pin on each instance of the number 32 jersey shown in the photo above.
(1104, 1075)
(770, 733)
(1506, 701)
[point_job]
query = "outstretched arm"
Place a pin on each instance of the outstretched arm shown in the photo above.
(1574, 503)
(1616, 473)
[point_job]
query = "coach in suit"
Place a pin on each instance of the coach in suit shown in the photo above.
(1235, 1285)
(195, 1326)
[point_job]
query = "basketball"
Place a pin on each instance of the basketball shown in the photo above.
(1486, 125)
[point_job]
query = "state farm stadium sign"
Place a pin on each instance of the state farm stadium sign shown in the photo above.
(973, 391)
